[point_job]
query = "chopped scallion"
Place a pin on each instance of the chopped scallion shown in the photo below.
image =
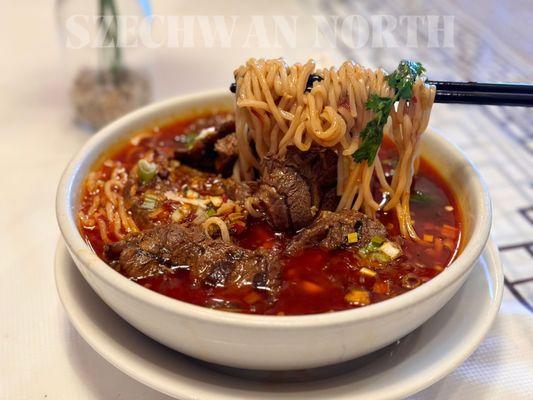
(380, 257)
(180, 214)
(373, 245)
(377, 240)
(149, 202)
(381, 250)
(146, 170)
(390, 249)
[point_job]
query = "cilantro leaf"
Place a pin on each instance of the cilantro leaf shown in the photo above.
(372, 135)
(401, 80)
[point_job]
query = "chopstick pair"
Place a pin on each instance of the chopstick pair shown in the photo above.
(497, 94)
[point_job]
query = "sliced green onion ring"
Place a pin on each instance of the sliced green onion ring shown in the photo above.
(146, 170)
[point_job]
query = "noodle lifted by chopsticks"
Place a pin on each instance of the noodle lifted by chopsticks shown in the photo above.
(347, 110)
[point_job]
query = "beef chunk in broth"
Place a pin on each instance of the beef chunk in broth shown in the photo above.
(212, 262)
(239, 191)
(154, 251)
(291, 187)
(201, 148)
(226, 153)
(331, 229)
(275, 208)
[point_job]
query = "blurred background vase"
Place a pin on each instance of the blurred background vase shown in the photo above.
(105, 61)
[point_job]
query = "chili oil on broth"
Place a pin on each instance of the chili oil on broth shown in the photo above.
(316, 280)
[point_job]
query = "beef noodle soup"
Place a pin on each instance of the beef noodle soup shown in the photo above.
(311, 279)
(280, 222)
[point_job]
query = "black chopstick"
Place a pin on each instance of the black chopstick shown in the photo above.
(483, 87)
(485, 98)
(498, 94)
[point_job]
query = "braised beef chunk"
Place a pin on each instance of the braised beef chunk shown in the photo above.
(331, 229)
(293, 179)
(152, 251)
(291, 187)
(330, 200)
(274, 206)
(238, 191)
(199, 148)
(225, 264)
(324, 167)
(226, 153)
(212, 262)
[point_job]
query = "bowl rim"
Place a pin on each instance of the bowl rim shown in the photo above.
(66, 218)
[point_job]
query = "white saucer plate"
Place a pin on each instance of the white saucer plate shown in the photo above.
(404, 368)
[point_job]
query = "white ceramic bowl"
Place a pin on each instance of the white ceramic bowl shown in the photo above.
(269, 342)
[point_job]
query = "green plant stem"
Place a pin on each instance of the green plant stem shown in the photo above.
(109, 27)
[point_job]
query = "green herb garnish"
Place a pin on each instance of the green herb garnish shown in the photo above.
(146, 170)
(404, 77)
(380, 257)
(189, 140)
(150, 202)
(372, 246)
(401, 80)
(420, 197)
(373, 251)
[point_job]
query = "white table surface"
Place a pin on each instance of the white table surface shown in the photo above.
(41, 356)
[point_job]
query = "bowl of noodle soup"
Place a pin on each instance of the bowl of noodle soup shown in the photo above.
(270, 342)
